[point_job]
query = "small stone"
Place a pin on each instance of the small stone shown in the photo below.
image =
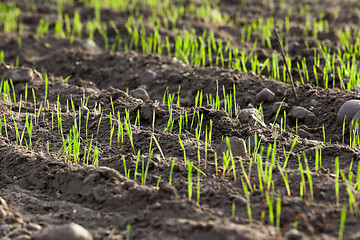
(120, 94)
(143, 86)
(314, 103)
(19, 75)
(293, 46)
(302, 133)
(174, 78)
(294, 234)
(70, 231)
(5, 227)
(357, 88)
(84, 110)
(238, 147)
(265, 95)
(167, 189)
(33, 227)
(302, 114)
(240, 200)
(348, 111)
(276, 106)
(91, 45)
(140, 93)
(148, 77)
(252, 116)
(250, 105)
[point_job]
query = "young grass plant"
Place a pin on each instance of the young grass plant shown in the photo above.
(128, 129)
(342, 222)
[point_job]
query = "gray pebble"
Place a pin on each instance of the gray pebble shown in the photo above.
(348, 111)
(238, 147)
(174, 78)
(357, 88)
(252, 116)
(140, 93)
(294, 234)
(240, 200)
(4, 227)
(265, 95)
(314, 103)
(19, 75)
(84, 110)
(148, 77)
(276, 106)
(302, 133)
(70, 231)
(302, 114)
(91, 45)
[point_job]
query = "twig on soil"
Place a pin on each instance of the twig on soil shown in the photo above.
(286, 64)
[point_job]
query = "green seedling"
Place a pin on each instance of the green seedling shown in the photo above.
(231, 158)
(183, 148)
(158, 181)
(127, 172)
(337, 172)
(144, 172)
(189, 165)
(352, 201)
(278, 210)
(216, 166)
(198, 188)
(120, 132)
(342, 222)
(128, 228)
(308, 174)
(128, 129)
(171, 170)
(269, 201)
(136, 165)
(247, 196)
(158, 146)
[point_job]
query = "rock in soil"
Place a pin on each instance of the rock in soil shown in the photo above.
(148, 77)
(314, 103)
(91, 45)
(294, 234)
(84, 110)
(302, 114)
(303, 134)
(70, 231)
(276, 106)
(238, 147)
(265, 95)
(252, 116)
(19, 75)
(140, 93)
(348, 111)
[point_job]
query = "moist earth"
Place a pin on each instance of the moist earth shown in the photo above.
(41, 186)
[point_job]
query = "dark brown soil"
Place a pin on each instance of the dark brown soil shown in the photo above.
(41, 187)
